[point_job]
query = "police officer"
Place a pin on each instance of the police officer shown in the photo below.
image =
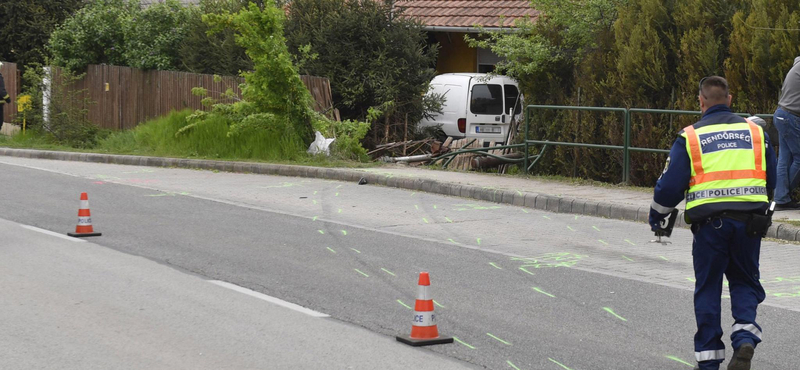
(4, 97)
(725, 168)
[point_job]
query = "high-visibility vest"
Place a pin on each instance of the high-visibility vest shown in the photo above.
(728, 164)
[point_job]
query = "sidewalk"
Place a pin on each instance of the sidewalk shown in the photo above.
(610, 202)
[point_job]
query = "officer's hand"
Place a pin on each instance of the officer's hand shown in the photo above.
(656, 219)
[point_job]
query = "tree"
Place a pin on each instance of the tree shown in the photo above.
(372, 55)
(120, 32)
(25, 27)
(215, 53)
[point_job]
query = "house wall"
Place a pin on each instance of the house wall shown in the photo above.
(454, 54)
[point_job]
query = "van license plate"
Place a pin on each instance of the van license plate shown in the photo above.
(488, 129)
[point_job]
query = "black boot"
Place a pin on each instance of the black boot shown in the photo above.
(741, 357)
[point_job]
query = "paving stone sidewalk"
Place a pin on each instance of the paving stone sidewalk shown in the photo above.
(603, 201)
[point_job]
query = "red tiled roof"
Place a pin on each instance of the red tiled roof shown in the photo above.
(468, 13)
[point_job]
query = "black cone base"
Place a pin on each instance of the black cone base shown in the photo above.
(74, 235)
(423, 342)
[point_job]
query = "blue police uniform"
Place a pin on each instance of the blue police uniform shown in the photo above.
(720, 246)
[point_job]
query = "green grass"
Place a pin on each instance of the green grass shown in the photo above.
(208, 140)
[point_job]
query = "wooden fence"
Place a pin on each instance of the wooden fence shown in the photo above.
(124, 97)
(11, 79)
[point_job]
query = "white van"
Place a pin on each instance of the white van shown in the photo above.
(477, 105)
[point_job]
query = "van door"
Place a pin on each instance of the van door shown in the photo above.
(486, 118)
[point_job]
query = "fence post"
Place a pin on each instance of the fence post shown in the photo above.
(527, 121)
(626, 155)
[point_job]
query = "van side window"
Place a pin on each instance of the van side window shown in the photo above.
(486, 99)
(512, 96)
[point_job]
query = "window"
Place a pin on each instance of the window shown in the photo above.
(512, 99)
(487, 99)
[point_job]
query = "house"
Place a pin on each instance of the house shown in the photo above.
(448, 21)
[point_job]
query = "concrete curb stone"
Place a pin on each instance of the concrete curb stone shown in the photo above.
(510, 197)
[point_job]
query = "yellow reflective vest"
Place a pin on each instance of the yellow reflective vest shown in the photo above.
(728, 165)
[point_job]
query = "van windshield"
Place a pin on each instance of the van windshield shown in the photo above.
(486, 99)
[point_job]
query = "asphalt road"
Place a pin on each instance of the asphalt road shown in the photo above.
(518, 288)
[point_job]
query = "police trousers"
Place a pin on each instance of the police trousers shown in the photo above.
(721, 246)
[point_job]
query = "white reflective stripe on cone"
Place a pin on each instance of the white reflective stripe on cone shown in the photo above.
(422, 293)
(749, 327)
(424, 318)
(710, 355)
(84, 221)
(84, 204)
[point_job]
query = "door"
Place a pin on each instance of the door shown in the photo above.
(486, 119)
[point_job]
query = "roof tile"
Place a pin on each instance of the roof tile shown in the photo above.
(468, 13)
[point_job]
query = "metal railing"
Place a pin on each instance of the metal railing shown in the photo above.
(626, 147)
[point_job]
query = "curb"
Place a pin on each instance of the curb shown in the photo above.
(538, 201)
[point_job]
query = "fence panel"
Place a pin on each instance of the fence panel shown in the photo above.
(11, 79)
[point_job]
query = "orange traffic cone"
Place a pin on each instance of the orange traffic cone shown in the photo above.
(84, 227)
(423, 328)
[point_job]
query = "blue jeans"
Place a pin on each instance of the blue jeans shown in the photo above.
(722, 247)
(788, 126)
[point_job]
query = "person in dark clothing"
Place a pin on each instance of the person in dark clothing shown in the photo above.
(4, 98)
(725, 168)
(787, 121)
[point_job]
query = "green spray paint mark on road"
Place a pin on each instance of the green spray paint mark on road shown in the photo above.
(500, 340)
(356, 250)
(519, 192)
(629, 242)
(338, 186)
(525, 210)
(437, 303)
(314, 201)
(479, 241)
(360, 272)
(337, 194)
(512, 365)
(546, 217)
(321, 232)
(614, 313)
(314, 219)
(435, 207)
(315, 192)
(452, 241)
(576, 217)
(663, 258)
(595, 227)
(673, 358)
(495, 266)
(569, 227)
(387, 271)
(426, 220)
(602, 241)
(543, 292)
(412, 193)
(330, 249)
(416, 207)
(626, 257)
(404, 305)
(692, 280)
(339, 211)
(448, 220)
(559, 364)
(464, 343)
(526, 271)
(344, 232)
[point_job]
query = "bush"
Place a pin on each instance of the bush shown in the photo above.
(213, 53)
(373, 57)
(66, 119)
(120, 32)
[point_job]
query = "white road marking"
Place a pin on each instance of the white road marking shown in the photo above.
(48, 232)
(269, 299)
